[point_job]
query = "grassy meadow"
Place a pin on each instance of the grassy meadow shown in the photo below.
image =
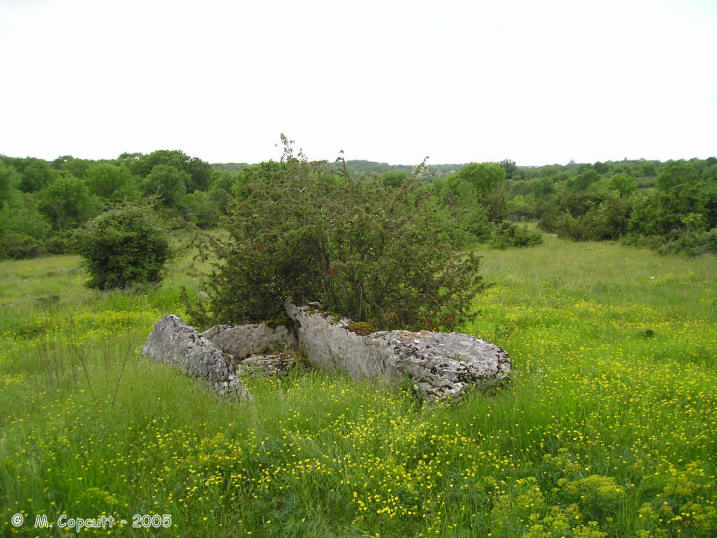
(608, 428)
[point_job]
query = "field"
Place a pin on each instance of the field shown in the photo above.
(608, 428)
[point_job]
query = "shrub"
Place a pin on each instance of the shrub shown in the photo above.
(202, 209)
(123, 246)
(375, 254)
(690, 242)
(23, 229)
(62, 242)
(470, 217)
(623, 183)
(508, 234)
(19, 246)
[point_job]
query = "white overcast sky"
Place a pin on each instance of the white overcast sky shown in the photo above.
(539, 81)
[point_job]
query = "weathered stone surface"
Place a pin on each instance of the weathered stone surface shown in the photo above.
(242, 341)
(267, 365)
(330, 345)
(173, 342)
(439, 364)
(446, 364)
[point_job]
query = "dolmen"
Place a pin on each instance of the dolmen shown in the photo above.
(438, 365)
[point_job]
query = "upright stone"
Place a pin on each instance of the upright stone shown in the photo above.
(172, 341)
(439, 365)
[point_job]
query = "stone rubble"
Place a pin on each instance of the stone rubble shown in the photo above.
(268, 365)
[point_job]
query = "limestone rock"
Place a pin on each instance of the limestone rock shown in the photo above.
(242, 341)
(332, 346)
(439, 364)
(173, 342)
(446, 364)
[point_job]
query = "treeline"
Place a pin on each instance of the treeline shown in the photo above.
(671, 206)
(42, 203)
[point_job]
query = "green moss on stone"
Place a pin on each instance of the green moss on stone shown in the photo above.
(361, 327)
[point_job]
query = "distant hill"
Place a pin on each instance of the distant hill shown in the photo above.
(375, 168)
(637, 167)
(370, 168)
(230, 167)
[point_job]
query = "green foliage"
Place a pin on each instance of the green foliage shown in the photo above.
(168, 183)
(475, 197)
(476, 191)
(543, 188)
(647, 168)
(606, 220)
(72, 166)
(709, 172)
(511, 169)
(496, 204)
(508, 234)
(23, 229)
(582, 181)
(524, 511)
(123, 246)
(564, 202)
(598, 495)
(485, 177)
(62, 242)
(36, 174)
(613, 208)
(9, 181)
(663, 212)
(203, 209)
(393, 179)
(68, 203)
(230, 168)
(682, 507)
(580, 201)
(371, 254)
(198, 172)
(20, 245)
(623, 184)
(600, 168)
(468, 213)
(676, 173)
(111, 182)
(690, 242)
(521, 207)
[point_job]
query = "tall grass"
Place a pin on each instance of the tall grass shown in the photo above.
(608, 427)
